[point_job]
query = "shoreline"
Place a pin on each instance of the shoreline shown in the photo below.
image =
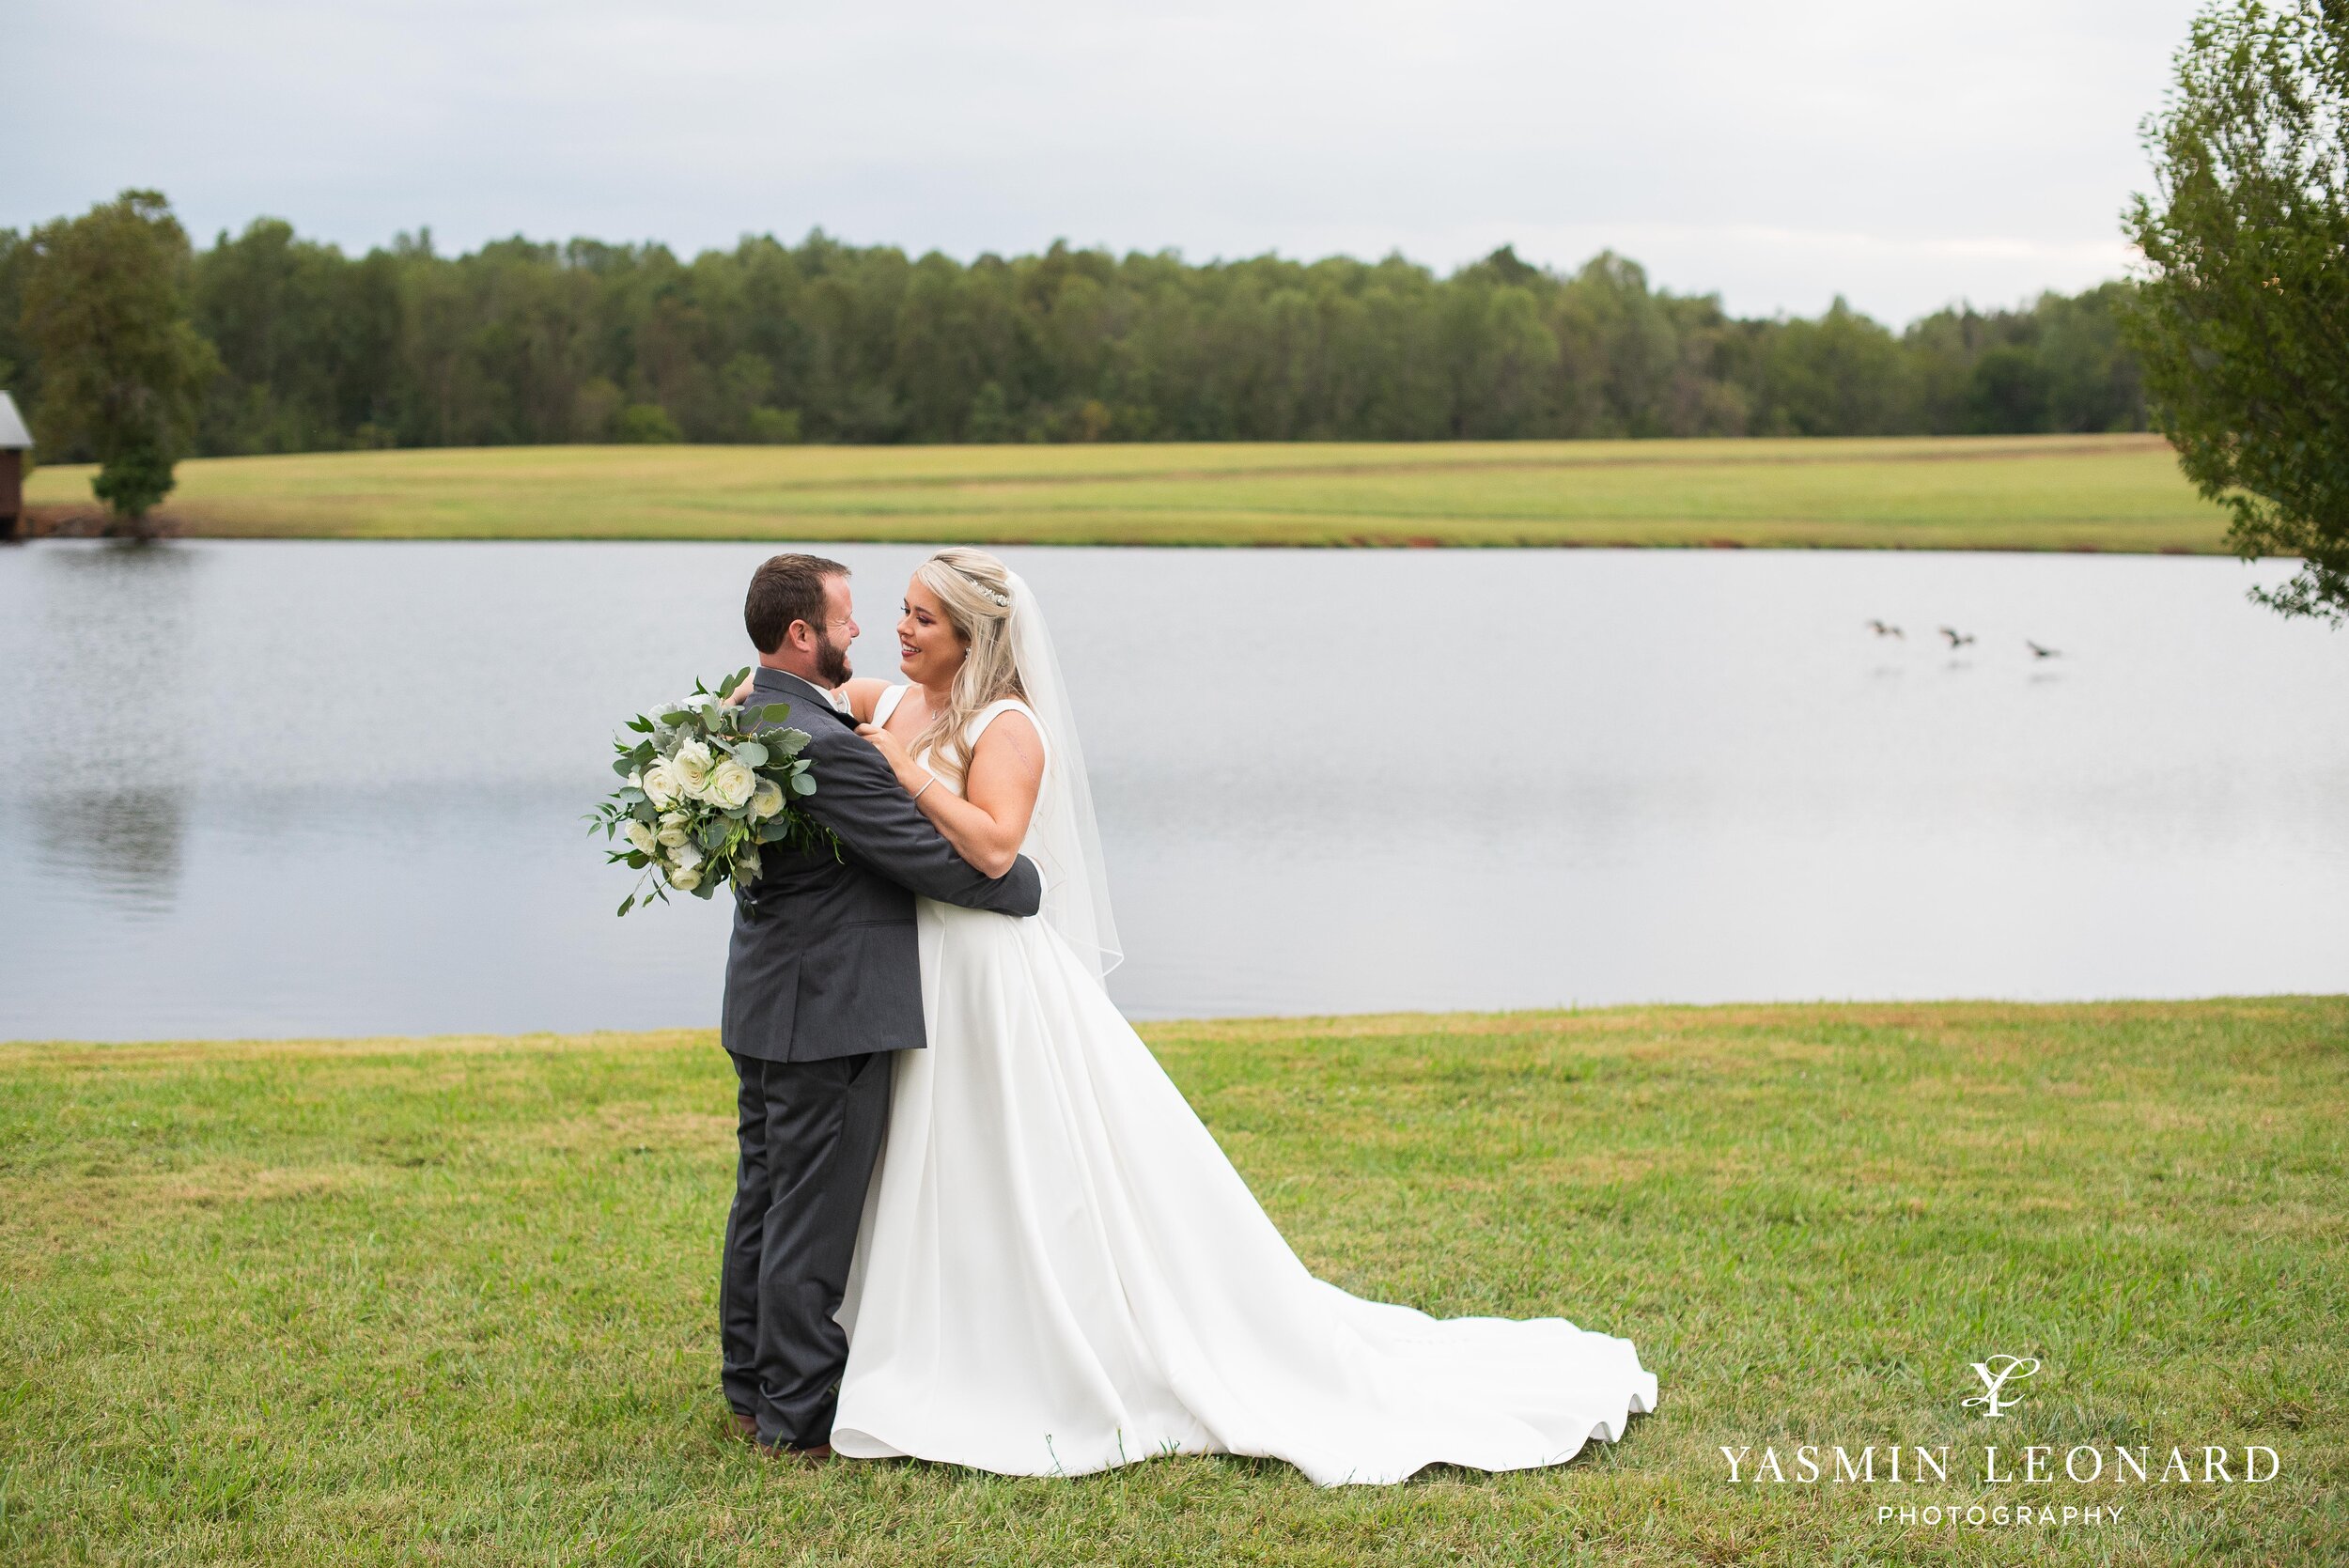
(1976, 1011)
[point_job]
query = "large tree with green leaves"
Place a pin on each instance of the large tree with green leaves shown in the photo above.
(2243, 322)
(123, 370)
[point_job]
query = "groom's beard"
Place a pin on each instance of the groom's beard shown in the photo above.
(832, 663)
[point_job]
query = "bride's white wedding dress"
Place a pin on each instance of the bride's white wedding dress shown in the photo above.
(1060, 1271)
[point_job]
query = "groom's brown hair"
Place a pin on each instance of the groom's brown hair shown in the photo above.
(786, 588)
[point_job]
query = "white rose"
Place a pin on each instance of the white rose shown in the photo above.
(732, 784)
(659, 787)
(674, 830)
(768, 801)
(685, 857)
(642, 839)
(691, 767)
(685, 878)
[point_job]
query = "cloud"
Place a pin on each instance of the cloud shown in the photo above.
(1780, 155)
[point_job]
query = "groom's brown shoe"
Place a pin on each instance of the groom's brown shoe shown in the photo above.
(811, 1454)
(742, 1426)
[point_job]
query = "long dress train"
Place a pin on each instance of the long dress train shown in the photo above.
(1060, 1271)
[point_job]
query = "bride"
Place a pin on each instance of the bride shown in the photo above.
(1058, 1271)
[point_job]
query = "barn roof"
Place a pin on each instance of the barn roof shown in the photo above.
(12, 431)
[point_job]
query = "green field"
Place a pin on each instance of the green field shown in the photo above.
(450, 1301)
(2039, 492)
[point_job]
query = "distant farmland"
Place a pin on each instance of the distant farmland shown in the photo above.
(2121, 494)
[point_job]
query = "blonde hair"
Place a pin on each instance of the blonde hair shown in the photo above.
(975, 590)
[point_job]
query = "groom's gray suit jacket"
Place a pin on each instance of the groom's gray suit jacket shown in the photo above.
(824, 962)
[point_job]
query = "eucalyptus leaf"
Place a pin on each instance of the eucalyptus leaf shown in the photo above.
(802, 784)
(750, 754)
(624, 766)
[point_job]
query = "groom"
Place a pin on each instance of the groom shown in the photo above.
(823, 980)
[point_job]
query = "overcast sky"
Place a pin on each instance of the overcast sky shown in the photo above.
(1904, 155)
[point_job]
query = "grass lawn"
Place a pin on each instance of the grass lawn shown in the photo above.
(450, 1301)
(2038, 492)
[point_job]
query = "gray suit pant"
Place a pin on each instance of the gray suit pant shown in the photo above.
(808, 1133)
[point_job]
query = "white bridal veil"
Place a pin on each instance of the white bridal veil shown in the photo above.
(1063, 835)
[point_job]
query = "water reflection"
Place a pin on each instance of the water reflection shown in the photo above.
(126, 844)
(105, 735)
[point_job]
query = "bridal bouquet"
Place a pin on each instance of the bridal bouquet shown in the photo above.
(703, 794)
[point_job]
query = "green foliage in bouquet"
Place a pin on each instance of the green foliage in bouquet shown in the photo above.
(706, 788)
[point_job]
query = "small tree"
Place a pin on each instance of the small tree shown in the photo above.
(2243, 321)
(123, 372)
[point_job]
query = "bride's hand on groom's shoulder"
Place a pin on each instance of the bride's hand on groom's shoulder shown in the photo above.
(889, 747)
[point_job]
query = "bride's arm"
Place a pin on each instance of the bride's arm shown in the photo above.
(988, 821)
(862, 692)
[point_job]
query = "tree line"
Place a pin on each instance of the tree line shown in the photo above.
(524, 342)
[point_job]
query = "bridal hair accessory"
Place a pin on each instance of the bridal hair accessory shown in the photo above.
(993, 595)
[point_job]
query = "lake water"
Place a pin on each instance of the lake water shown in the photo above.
(335, 788)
